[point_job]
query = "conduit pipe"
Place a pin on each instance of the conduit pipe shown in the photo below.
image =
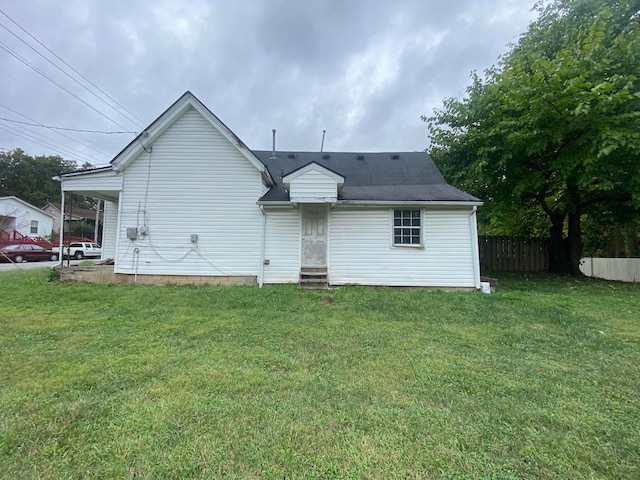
(262, 246)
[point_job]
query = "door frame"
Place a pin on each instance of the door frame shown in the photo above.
(322, 209)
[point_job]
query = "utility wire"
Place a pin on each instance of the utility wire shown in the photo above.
(36, 69)
(62, 128)
(52, 143)
(41, 138)
(70, 76)
(46, 143)
(58, 133)
(139, 122)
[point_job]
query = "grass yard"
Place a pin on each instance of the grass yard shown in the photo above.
(541, 380)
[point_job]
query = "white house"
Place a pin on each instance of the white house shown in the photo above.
(23, 218)
(187, 198)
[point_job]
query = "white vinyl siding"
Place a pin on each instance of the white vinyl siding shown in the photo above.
(362, 250)
(197, 182)
(19, 215)
(282, 247)
(313, 186)
(109, 230)
(108, 180)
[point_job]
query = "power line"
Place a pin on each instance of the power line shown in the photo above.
(48, 143)
(37, 70)
(139, 122)
(56, 132)
(51, 143)
(68, 75)
(62, 128)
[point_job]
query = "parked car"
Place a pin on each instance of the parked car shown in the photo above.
(79, 250)
(28, 252)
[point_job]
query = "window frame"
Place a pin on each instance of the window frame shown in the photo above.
(33, 226)
(402, 218)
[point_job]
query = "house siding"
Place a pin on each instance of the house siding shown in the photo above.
(313, 185)
(18, 216)
(282, 246)
(107, 180)
(109, 230)
(361, 250)
(192, 181)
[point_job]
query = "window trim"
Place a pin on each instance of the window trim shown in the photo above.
(32, 226)
(393, 228)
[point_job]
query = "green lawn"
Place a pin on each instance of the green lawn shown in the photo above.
(541, 380)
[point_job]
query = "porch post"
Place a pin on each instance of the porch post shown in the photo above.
(61, 234)
(95, 233)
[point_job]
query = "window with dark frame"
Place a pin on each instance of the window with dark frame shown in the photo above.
(407, 226)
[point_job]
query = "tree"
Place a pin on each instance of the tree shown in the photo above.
(31, 178)
(552, 133)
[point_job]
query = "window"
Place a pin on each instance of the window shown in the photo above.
(407, 226)
(34, 227)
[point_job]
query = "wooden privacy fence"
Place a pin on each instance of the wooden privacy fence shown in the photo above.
(513, 254)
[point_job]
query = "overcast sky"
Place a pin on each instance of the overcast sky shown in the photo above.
(364, 70)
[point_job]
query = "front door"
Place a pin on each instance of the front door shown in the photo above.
(314, 236)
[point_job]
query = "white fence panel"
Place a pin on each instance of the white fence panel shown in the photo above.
(620, 269)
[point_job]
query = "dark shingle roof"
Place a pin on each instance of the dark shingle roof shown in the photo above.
(412, 176)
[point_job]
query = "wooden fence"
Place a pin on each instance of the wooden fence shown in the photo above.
(513, 254)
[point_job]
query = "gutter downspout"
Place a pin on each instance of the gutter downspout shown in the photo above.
(475, 252)
(262, 246)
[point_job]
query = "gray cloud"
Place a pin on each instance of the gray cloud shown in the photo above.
(364, 70)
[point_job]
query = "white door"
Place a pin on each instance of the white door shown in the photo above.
(314, 236)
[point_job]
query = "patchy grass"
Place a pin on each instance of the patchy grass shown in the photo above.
(540, 380)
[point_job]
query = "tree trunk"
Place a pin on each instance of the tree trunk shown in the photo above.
(574, 237)
(559, 261)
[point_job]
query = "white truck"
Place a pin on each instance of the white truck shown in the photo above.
(80, 250)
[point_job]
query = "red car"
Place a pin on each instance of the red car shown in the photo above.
(31, 253)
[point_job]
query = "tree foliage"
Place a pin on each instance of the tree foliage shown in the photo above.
(31, 178)
(551, 134)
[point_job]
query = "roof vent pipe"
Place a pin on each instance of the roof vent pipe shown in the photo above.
(273, 149)
(322, 144)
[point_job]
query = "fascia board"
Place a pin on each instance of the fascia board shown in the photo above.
(151, 134)
(378, 203)
(28, 205)
(168, 118)
(92, 171)
(231, 137)
(313, 166)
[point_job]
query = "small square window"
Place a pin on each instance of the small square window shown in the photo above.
(407, 227)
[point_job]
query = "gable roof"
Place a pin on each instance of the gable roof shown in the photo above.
(313, 166)
(26, 204)
(369, 177)
(168, 118)
(77, 213)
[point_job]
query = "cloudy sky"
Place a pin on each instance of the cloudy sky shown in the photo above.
(364, 70)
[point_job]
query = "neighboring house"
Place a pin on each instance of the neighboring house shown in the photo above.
(19, 218)
(74, 214)
(188, 198)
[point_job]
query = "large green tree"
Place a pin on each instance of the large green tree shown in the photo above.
(551, 134)
(30, 178)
